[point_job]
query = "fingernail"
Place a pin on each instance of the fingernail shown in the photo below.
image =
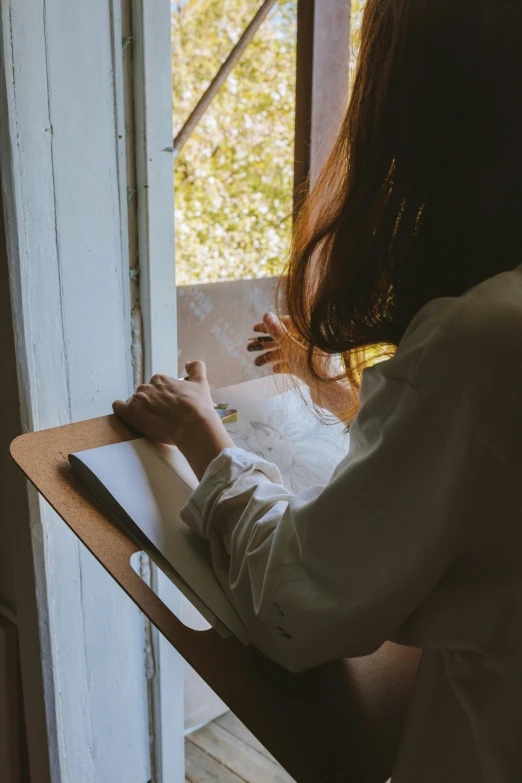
(270, 319)
(260, 361)
(255, 347)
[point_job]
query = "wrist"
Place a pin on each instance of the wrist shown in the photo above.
(195, 420)
(202, 439)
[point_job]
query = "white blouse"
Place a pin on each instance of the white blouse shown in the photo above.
(417, 538)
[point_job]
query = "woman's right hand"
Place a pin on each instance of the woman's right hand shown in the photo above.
(284, 352)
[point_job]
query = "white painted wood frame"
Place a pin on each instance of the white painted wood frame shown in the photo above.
(64, 194)
(152, 57)
(155, 182)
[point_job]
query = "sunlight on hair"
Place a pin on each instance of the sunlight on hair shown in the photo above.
(369, 356)
(355, 34)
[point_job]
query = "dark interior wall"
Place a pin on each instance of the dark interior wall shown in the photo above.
(13, 503)
(17, 576)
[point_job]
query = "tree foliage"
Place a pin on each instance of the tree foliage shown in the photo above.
(234, 177)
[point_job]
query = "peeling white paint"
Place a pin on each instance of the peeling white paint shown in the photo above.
(69, 285)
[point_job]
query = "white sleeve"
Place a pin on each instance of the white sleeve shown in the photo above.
(332, 572)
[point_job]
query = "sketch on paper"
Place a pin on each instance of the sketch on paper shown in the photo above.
(282, 430)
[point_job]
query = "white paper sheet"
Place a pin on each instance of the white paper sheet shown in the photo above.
(285, 431)
(149, 491)
(151, 482)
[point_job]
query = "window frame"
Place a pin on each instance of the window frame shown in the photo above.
(64, 185)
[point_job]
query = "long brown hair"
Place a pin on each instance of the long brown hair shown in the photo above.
(422, 194)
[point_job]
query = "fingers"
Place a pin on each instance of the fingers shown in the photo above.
(262, 344)
(196, 371)
(124, 411)
(261, 326)
(271, 357)
(119, 407)
(277, 365)
(156, 380)
(282, 368)
(271, 325)
(274, 327)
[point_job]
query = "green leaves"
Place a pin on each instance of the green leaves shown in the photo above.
(234, 177)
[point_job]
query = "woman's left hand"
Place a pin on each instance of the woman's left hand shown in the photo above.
(284, 353)
(180, 413)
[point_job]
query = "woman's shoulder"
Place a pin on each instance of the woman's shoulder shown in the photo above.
(466, 353)
(477, 331)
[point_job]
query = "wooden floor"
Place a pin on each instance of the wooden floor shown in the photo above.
(226, 752)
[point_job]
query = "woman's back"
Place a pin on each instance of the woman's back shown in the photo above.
(463, 354)
(416, 539)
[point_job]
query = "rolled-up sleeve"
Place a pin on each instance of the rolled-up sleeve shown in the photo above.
(333, 571)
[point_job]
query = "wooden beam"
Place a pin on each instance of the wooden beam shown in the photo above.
(221, 76)
(303, 99)
(331, 77)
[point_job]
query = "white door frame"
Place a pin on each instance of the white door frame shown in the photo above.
(151, 22)
(152, 92)
(64, 190)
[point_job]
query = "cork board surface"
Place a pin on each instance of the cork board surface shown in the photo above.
(339, 722)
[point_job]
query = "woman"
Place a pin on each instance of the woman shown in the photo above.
(411, 242)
